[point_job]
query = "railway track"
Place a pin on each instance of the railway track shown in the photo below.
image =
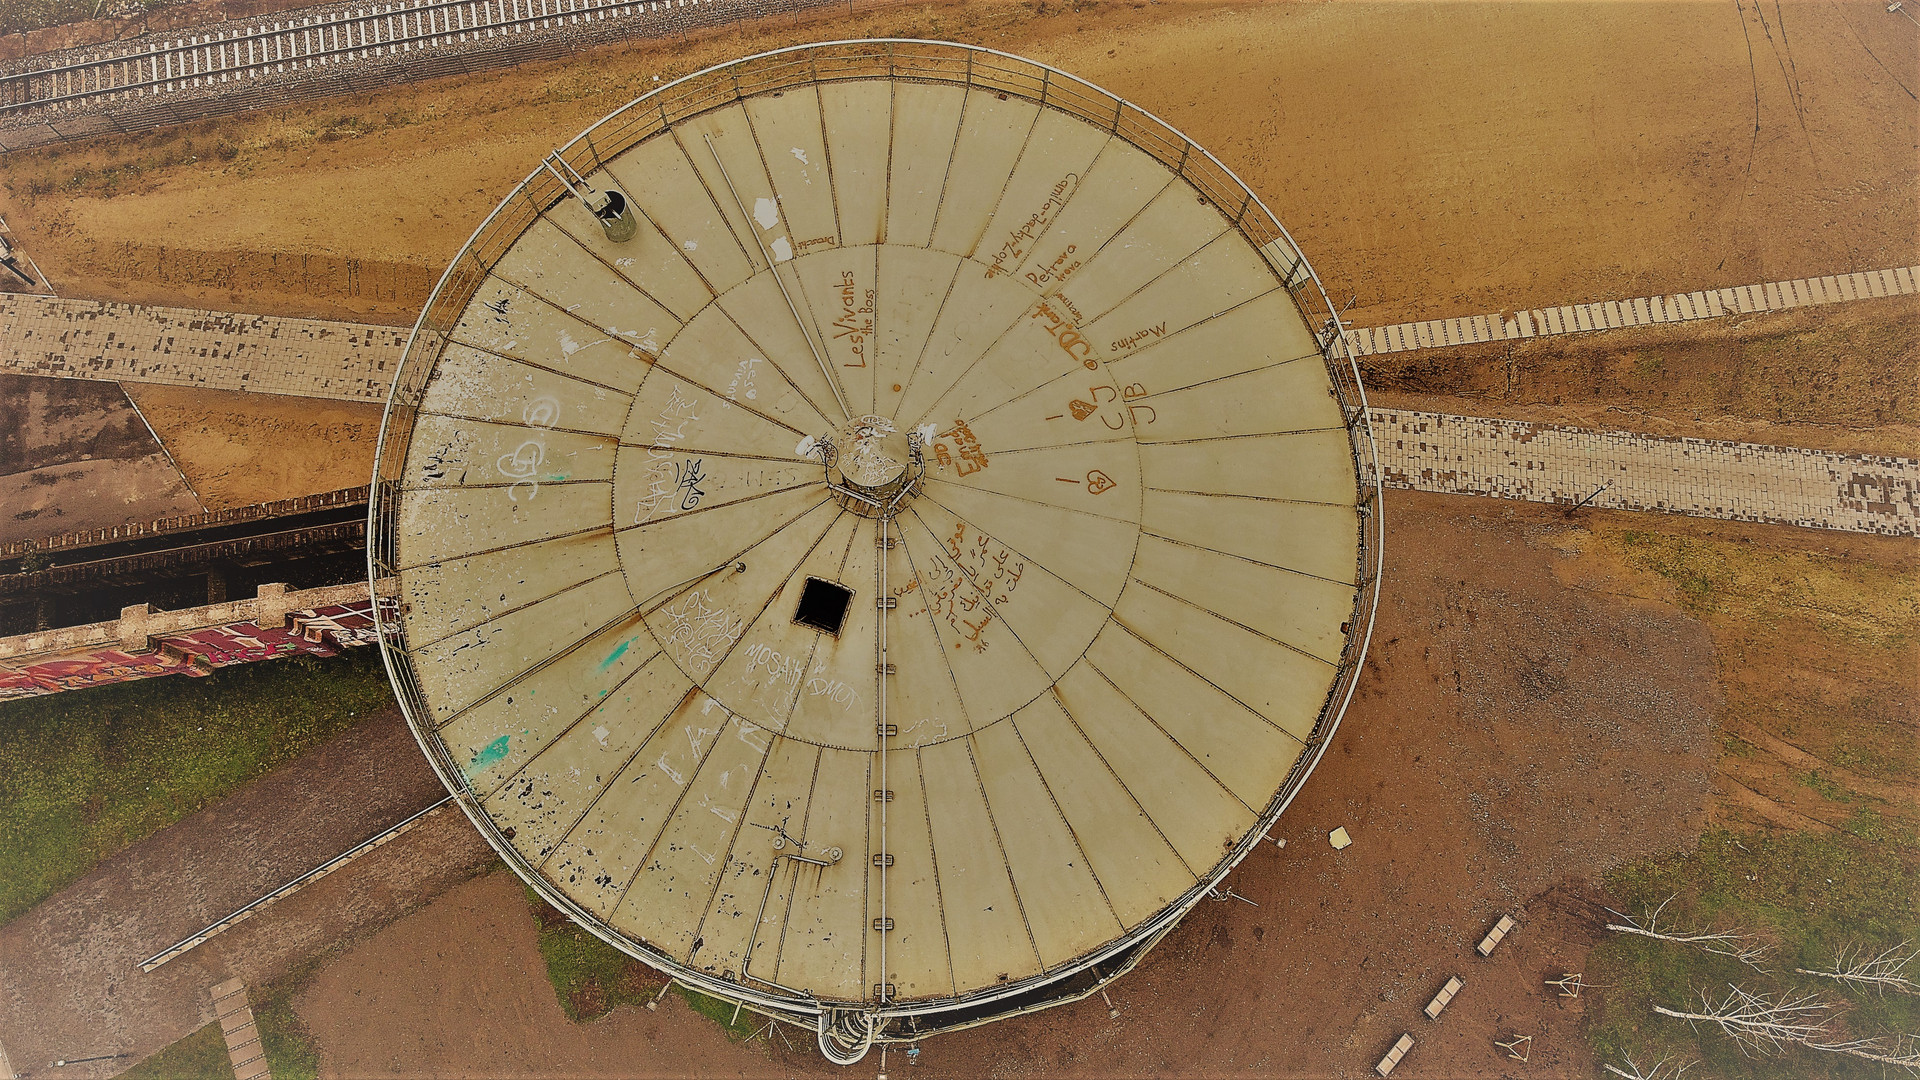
(237, 56)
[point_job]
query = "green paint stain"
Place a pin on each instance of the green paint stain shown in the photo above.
(488, 755)
(617, 654)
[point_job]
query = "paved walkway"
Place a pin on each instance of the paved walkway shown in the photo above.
(84, 339)
(236, 1026)
(1509, 459)
(219, 350)
(1640, 311)
(1428, 451)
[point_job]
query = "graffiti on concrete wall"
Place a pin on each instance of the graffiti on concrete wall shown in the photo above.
(321, 631)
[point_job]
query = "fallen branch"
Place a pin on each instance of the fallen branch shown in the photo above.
(1758, 1022)
(1735, 943)
(1905, 1053)
(1659, 1071)
(1880, 973)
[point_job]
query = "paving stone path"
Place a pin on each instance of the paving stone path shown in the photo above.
(1510, 459)
(219, 350)
(1640, 311)
(236, 1026)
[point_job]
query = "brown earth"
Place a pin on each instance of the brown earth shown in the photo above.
(75, 455)
(1838, 378)
(1513, 736)
(1434, 159)
(1817, 637)
(239, 448)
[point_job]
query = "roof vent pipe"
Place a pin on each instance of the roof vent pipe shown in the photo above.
(608, 207)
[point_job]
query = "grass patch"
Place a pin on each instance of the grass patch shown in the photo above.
(1810, 895)
(1815, 642)
(85, 773)
(284, 1037)
(200, 1056)
(1814, 638)
(591, 977)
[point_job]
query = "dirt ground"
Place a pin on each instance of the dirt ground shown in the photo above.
(239, 448)
(1815, 638)
(1831, 378)
(1615, 154)
(75, 455)
(1433, 160)
(1520, 729)
(68, 979)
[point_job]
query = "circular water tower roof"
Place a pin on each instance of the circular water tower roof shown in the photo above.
(872, 527)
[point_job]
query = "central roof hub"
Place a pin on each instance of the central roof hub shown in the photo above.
(872, 466)
(873, 453)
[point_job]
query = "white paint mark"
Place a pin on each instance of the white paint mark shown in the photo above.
(802, 155)
(745, 733)
(691, 246)
(601, 733)
(782, 251)
(766, 213)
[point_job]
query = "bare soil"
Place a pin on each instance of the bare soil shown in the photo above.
(1514, 736)
(1612, 153)
(1816, 639)
(75, 455)
(1838, 378)
(239, 448)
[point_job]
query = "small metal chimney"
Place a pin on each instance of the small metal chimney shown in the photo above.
(608, 207)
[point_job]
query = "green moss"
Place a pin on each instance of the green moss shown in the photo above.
(284, 1037)
(590, 977)
(200, 1056)
(85, 773)
(1825, 786)
(1810, 895)
(737, 1022)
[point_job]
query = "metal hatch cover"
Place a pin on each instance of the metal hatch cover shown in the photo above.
(874, 531)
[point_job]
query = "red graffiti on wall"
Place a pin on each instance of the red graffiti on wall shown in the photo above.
(321, 631)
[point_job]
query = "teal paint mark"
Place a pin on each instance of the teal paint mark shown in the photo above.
(488, 755)
(617, 654)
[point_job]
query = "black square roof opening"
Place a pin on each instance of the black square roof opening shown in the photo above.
(823, 606)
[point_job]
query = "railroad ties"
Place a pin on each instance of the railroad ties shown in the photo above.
(144, 68)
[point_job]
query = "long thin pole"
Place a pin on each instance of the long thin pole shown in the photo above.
(881, 733)
(818, 357)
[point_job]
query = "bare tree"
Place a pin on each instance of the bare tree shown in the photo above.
(1761, 1023)
(1736, 943)
(1880, 973)
(1662, 1069)
(1904, 1054)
